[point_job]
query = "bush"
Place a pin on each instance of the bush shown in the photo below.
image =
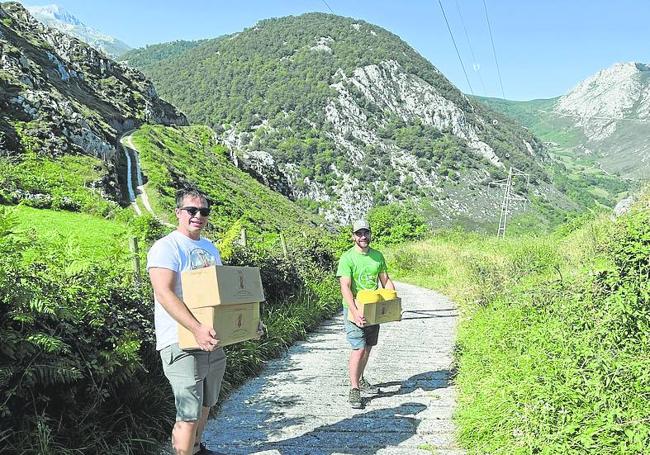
(395, 223)
(76, 353)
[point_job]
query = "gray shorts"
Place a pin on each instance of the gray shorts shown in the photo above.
(195, 377)
(360, 337)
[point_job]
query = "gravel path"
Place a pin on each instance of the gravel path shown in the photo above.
(298, 404)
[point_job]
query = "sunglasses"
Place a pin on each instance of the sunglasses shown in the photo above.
(204, 211)
(362, 233)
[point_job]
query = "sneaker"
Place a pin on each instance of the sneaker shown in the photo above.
(355, 399)
(201, 449)
(366, 387)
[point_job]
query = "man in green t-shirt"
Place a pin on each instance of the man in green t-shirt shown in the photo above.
(361, 267)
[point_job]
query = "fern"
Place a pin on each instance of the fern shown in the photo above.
(49, 343)
(46, 375)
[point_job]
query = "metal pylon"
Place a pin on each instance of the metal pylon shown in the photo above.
(508, 197)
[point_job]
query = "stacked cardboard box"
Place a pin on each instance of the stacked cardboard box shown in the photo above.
(225, 298)
(378, 306)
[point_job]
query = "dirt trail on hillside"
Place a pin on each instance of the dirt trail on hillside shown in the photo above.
(298, 404)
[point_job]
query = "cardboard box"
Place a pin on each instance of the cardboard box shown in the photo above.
(221, 285)
(380, 312)
(233, 323)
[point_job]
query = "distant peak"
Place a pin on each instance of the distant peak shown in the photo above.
(627, 67)
(55, 12)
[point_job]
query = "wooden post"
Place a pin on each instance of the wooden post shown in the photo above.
(243, 236)
(133, 245)
(283, 244)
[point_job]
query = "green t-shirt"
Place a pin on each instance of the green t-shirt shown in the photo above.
(363, 268)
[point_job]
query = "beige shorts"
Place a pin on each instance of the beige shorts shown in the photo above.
(195, 377)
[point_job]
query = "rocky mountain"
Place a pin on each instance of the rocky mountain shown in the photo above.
(57, 17)
(611, 110)
(341, 115)
(605, 118)
(61, 97)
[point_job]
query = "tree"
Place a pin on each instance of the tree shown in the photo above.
(396, 223)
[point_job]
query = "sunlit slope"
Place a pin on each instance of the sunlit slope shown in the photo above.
(50, 233)
(174, 157)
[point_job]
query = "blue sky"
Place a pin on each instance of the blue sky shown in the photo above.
(543, 47)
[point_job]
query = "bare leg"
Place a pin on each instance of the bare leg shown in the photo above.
(183, 437)
(355, 366)
(201, 424)
(364, 361)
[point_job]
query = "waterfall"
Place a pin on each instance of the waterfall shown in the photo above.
(138, 171)
(129, 182)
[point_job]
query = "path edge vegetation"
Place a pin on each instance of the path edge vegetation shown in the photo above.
(553, 342)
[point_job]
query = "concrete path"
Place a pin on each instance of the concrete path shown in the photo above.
(298, 404)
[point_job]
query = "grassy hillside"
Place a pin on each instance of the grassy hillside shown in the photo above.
(171, 157)
(67, 182)
(553, 344)
(89, 236)
(534, 114)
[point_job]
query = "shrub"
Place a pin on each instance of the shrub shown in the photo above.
(76, 353)
(395, 223)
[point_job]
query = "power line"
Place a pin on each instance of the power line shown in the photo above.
(456, 47)
(494, 51)
(469, 43)
(328, 7)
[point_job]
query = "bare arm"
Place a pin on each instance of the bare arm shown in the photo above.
(162, 281)
(346, 292)
(386, 282)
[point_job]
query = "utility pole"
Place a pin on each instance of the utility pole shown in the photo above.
(509, 196)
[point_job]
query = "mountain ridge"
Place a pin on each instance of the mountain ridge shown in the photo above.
(605, 118)
(296, 100)
(59, 18)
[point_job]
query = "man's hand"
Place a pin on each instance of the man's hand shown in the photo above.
(206, 337)
(261, 330)
(359, 320)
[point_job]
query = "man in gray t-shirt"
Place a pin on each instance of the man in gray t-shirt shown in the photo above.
(195, 376)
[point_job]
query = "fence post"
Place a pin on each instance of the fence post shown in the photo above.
(283, 244)
(133, 246)
(243, 236)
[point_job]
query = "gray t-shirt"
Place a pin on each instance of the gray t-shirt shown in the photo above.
(173, 252)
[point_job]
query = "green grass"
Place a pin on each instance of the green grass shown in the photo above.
(552, 349)
(94, 237)
(66, 182)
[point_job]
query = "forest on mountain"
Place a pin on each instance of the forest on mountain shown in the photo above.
(269, 91)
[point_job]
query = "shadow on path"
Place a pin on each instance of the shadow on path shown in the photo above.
(427, 382)
(429, 314)
(362, 434)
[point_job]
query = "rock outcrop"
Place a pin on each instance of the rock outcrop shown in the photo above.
(60, 96)
(610, 114)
